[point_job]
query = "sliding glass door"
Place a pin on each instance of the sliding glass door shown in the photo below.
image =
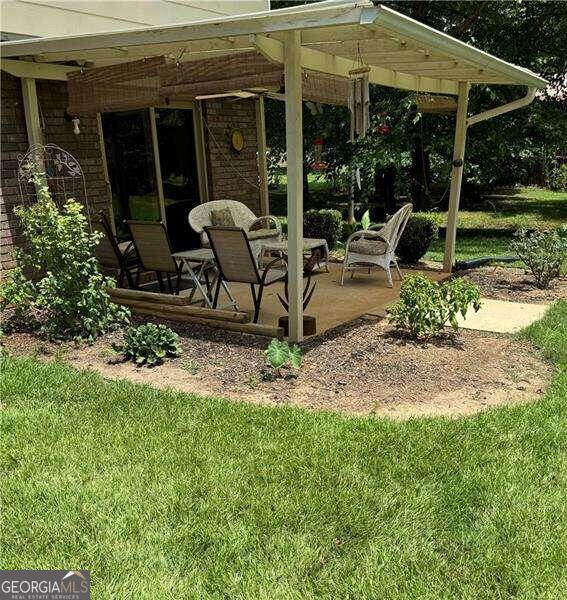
(152, 168)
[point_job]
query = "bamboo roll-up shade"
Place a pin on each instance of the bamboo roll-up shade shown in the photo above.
(325, 89)
(124, 86)
(220, 74)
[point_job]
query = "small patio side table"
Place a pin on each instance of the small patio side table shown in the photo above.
(196, 263)
(309, 246)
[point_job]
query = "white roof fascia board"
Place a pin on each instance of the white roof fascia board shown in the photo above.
(265, 22)
(398, 23)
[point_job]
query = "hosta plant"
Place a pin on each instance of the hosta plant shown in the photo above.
(149, 344)
(281, 354)
(425, 307)
(543, 252)
(57, 283)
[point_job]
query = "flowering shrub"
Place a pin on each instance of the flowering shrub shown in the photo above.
(67, 297)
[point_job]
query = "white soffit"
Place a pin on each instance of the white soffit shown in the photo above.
(336, 37)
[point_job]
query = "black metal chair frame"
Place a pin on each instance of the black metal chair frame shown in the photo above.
(121, 257)
(261, 278)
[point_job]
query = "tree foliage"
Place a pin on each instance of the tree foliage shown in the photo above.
(413, 152)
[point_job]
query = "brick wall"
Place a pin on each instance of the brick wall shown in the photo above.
(13, 141)
(232, 175)
(52, 99)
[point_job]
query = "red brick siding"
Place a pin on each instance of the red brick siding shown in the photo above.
(232, 175)
(52, 98)
(13, 141)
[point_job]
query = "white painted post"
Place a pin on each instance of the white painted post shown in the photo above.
(31, 111)
(262, 160)
(456, 176)
(294, 144)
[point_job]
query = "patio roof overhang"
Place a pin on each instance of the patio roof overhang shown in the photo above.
(335, 38)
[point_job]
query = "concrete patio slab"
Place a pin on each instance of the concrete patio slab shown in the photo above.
(332, 304)
(500, 316)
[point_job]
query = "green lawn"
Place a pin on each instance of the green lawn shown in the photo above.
(165, 495)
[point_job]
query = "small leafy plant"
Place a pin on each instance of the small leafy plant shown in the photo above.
(426, 307)
(543, 252)
(57, 283)
(149, 344)
(281, 354)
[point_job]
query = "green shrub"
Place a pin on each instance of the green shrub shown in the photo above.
(280, 354)
(543, 252)
(556, 178)
(425, 306)
(420, 232)
(149, 344)
(323, 224)
(68, 296)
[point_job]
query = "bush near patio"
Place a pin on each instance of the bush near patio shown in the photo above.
(420, 232)
(210, 498)
(425, 307)
(57, 284)
(543, 252)
(324, 224)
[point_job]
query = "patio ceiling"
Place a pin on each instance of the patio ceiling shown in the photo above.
(336, 37)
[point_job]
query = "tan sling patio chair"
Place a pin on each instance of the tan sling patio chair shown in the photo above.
(237, 263)
(154, 249)
(376, 246)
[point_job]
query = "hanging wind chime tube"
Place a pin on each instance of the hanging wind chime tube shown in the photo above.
(359, 108)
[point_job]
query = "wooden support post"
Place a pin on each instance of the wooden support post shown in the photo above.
(456, 176)
(31, 111)
(262, 160)
(294, 145)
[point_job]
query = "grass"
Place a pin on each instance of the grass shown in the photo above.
(166, 495)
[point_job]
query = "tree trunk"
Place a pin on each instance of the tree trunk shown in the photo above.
(420, 175)
(384, 187)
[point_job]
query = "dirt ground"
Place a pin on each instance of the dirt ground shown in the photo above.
(516, 285)
(360, 368)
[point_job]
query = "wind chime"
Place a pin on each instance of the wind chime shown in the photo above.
(359, 104)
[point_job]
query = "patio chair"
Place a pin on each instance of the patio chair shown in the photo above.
(376, 246)
(230, 213)
(154, 249)
(115, 255)
(237, 263)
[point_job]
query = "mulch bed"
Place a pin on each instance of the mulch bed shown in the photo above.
(363, 367)
(515, 285)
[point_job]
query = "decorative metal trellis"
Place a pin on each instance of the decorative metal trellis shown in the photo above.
(62, 173)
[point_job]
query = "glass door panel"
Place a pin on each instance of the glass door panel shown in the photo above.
(179, 173)
(131, 167)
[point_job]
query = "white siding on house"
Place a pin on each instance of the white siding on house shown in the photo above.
(67, 17)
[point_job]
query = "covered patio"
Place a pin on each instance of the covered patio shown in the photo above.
(316, 48)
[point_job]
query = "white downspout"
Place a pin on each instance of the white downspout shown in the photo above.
(500, 110)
